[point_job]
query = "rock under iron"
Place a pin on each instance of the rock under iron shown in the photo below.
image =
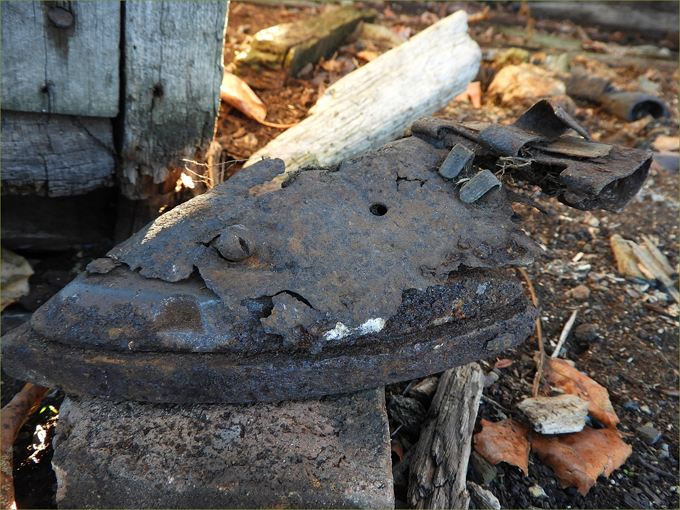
(332, 452)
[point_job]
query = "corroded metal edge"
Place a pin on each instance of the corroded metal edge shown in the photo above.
(270, 376)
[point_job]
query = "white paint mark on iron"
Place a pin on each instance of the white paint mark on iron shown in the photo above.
(341, 331)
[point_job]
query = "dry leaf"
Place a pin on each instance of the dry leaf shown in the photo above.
(503, 363)
(367, 55)
(579, 458)
(560, 374)
(398, 449)
(238, 94)
(474, 92)
(665, 143)
(504, 441)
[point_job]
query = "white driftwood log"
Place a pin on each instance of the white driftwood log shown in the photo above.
(439, 466)
(376, 103)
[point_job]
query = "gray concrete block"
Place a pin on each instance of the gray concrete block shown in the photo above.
(332, 452)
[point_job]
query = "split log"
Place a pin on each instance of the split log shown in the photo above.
(438, 471)
(375, 104)
(14, 415)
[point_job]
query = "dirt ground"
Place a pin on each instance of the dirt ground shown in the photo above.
(629, 340)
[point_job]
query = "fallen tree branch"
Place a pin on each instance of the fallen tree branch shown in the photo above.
(14, 415)
(437, 478)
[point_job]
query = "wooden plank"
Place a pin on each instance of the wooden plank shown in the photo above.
(73, 71)
(375, 104)
(173, 71)
(55, 155)
(439, 466)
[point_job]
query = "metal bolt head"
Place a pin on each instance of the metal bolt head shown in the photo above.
(60, 17)
(233, 244)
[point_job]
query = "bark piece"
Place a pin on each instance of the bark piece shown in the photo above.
(15, 273)
(439, 467)
(332, 452)
(376, 103)
(483, 498)
(562, 375)
(555, 415)
(578, 459)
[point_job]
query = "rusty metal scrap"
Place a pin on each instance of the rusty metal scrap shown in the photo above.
(583, 174)
(344, 279)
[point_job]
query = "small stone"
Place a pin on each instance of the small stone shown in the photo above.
(581, 293)
(537, 491)
(587, 333)
(645, 409)
(555, 415)
(631, 406)
(649, 434)
(491, 379)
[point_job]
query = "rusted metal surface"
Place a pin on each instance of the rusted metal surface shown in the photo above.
(538, 150)
(629, 106)
(477, 313)
(344, 279)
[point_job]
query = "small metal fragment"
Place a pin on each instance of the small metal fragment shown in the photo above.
(460, 158)
(478, 186)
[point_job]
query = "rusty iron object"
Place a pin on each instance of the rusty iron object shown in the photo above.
(538, 149)
(628, 106)
(346, 278)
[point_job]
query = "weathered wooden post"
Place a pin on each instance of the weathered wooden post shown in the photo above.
(102, 93)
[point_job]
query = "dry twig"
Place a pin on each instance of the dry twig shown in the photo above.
(564, 334)
(541, 349)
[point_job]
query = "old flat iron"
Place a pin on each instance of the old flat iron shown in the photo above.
(346, 278)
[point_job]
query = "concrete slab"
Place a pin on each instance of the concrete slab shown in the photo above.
(332, 452)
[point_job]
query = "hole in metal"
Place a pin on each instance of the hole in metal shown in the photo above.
(378, 209)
